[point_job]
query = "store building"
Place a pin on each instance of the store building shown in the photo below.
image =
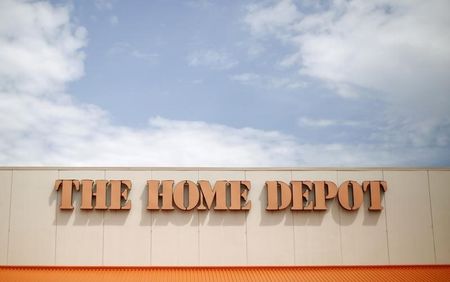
(231, 223)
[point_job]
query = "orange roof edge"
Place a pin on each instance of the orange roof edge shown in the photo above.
(226, 273)
(225, 266)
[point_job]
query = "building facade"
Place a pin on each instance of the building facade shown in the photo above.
(411, 228)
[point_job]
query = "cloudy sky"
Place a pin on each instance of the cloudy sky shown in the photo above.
(225, 83)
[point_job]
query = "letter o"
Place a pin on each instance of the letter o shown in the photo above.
(344, 195)
(178, 195)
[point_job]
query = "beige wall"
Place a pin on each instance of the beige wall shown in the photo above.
(413, 227)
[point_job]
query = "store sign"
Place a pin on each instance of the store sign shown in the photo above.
(222, 196)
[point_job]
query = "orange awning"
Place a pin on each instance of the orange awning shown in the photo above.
(303, 273)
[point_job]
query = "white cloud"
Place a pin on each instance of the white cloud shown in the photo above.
(213, 59)
(245, 77)
(52, 129)
(394, 51)
(113, 20)
(268, 81)
(200, 4)
(255, 50)
(39, 47)
(402, 54)
(44, 131)
(285, 82)
(124, 48)
(397, 49)
(291, 60)
(316, 122)
(104, 4)
(263, 18)
(310, 122)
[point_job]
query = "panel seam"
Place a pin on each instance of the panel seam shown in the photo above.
(151, 226)
(56, 221)
(198, 226)
(385, 222)
(431, 214)
(9, 216)
(293, 232)
(340, 222)
(103, 228)
(246, 230)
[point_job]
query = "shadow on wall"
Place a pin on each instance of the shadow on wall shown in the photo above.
(334, 212)
(79, 217)
(212, 217)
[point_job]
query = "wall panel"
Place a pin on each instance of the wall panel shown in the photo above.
(222, 234)
(270, 234)
(175, 233)
(5, 198)
(33, 218)
(79, 236)
(408, 213)
(317, 233)
(440, 203)
(127, 233)
(363, 233)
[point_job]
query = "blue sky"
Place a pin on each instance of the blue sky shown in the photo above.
(236, 83)
(198, 54)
